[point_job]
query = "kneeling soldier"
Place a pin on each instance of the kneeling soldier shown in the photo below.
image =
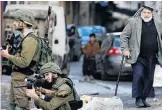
(64, 95)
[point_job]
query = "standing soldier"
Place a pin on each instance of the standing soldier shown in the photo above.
(23, 61)
(141, 43)
(89, 64)
(63, 95)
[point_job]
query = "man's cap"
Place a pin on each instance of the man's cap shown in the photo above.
(148, 7)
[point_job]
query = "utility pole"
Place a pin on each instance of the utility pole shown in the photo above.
(1, 17)
(84, 13)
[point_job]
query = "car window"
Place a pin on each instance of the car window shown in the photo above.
(116, 41)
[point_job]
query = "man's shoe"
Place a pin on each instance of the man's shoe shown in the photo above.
(139, 103)
(146, 104)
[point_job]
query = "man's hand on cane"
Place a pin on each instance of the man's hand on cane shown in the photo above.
(127, 54)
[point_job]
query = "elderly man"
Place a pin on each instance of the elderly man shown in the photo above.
(141, 44)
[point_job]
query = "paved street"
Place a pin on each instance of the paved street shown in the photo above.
(95, 88)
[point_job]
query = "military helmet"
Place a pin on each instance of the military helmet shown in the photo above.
(50, 67)
(24, 15)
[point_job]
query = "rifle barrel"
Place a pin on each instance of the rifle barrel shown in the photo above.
(20, 86)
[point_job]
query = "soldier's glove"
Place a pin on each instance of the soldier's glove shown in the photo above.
(75, 104)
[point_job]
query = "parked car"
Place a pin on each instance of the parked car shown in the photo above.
(109, 59)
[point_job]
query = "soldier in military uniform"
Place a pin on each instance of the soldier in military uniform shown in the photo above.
(23, 61)
(61, 89)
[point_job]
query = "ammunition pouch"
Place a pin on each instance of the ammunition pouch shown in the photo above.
(75, 104)
(26, 71)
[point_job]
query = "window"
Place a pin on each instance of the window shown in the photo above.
(55, 21)
(13, 2)
(21, 2)
(116, 42)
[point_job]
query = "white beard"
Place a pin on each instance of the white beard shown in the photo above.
(146, 19)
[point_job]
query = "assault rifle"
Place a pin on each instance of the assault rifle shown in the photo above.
(36, 82)
(14, 42)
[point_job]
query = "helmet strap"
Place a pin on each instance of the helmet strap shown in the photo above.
(20, 25)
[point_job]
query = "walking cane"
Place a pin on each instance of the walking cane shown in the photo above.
(120, 71)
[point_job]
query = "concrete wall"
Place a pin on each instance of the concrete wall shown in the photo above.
(132, 5)
(0, 21)
(55, 3)
(0, 35)
(77, 12)
(84, 13)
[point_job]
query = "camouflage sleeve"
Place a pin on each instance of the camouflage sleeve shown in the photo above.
(60, 98)
(29, 48)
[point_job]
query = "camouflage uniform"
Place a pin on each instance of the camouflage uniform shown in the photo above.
(22, 61)
(62, 92)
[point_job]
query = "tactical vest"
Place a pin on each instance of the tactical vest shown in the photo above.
(74, 93)
(70, 84)
(32, 66)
